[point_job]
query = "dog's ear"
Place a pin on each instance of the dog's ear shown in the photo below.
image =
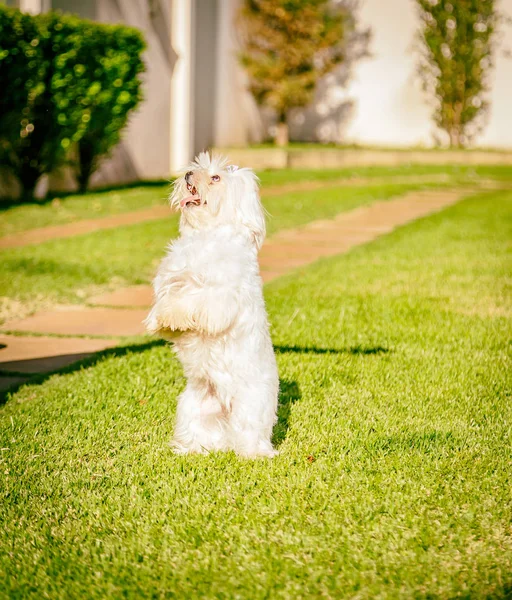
(178, 191)
(248, 203)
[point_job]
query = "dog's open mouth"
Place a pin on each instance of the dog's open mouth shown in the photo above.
(193, 200)
(190, 201)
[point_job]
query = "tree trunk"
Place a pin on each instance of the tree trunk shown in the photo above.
(456, 127)
(86, 160)
(28, 179)
(27, 194)
(282, 134)
(455, 135)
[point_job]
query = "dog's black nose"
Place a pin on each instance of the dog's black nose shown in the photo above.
(189, 174)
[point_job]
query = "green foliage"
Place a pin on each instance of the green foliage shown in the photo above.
(458, 41)
(288, 45)
(59, 75)
(113, 92)
(31, 135)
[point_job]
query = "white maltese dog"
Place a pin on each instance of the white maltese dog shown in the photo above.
(208, 300)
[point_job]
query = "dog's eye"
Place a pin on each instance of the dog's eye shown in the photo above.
(215, 178)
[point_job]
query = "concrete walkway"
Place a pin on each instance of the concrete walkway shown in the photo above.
(154, 213)
(110, 317)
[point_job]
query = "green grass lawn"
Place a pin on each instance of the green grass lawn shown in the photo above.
(394, 476)
(461, 174)
(66, 209)
(70, 270)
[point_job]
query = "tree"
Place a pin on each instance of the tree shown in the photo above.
(457, 41)
(288, 45)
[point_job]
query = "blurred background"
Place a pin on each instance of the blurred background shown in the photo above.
(366, 75)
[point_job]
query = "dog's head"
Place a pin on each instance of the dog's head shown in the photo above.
(212, 193)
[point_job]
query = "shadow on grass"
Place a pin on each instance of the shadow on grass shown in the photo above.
(289, 393)
(85, 363)
(426, 442)
(289, 390)
(314, 350)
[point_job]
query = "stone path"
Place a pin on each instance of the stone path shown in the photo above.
(82, 320)
(45, 234)
(111, 316)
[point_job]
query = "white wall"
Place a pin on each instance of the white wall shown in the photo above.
(498, 132)
(145, 147)
(237, 119)
(389, 106)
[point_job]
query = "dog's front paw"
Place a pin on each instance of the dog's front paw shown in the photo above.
(168, 321)
(151, 323)
(175, 320)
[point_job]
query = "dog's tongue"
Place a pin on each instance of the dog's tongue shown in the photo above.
(188, 199)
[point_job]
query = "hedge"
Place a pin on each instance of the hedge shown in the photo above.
(68, 86)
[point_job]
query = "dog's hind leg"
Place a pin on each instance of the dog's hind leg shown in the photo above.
(200, 422)
(251, 421)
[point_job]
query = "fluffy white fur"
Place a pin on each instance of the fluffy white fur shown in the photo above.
(209, 303)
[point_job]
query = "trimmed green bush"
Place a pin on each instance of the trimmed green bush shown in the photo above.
(29, 135)
(115, 90)
(59, 76)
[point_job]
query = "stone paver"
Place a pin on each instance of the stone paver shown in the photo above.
(133, 296)
(40, 354)
(288, 249)
(44, 234)
(350, 229)
(83, 321)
